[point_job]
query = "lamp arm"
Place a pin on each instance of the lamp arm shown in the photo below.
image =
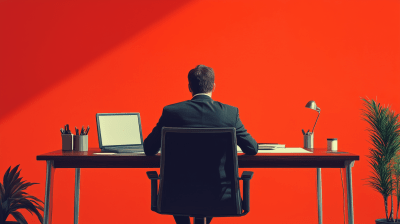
(316, 121)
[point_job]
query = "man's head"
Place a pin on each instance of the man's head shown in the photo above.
(201, 79)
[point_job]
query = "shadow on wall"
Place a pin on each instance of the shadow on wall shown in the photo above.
(45, 42)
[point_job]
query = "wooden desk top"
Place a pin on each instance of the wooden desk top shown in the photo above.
(319, 158)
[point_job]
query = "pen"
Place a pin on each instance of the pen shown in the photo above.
(82, 130)
(76, 130)
(62, 131)
(87, 129)
(67, 129)
(302, 130)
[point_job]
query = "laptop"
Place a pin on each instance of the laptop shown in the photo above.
(119, 132)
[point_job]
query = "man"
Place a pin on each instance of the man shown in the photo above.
(200, 112)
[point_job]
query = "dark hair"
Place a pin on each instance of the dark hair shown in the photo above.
(201, 79)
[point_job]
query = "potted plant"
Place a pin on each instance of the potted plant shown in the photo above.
(384, 131)
(13, 197)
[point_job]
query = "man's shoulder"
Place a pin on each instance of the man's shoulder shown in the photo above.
(225, 105)
(176, 105)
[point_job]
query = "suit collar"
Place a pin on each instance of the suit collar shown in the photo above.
(202, 98)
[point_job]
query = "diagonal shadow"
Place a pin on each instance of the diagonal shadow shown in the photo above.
(43, 42)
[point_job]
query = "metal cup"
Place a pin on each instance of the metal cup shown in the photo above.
(81, 143)
(309, 141)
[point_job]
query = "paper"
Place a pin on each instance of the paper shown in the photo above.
(270, 146)
(280, 150)
(118, 154)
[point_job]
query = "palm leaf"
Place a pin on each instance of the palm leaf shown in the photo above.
(34, 199)
(12, 174)
(5, 205)
(15, 184)
(28, 205)
(1, 212)
(19, 217)
(21, 187)
(2, 191)
(5, 177)
(14, 178)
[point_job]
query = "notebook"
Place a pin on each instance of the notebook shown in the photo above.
(119, 132)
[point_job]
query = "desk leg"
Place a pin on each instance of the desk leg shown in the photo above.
(319, 192)
(350, 210)
(48, 196)
(76, 199)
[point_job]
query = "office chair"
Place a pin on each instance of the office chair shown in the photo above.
(199, 174)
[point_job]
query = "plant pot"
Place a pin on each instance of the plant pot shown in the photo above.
(383, 221)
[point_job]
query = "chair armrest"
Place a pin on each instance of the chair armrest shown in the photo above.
(153, 176)
(246, 177)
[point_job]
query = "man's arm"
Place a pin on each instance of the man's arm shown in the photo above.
(152, 143)
(244, 140)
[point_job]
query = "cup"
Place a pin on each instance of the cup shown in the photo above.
(81, 143)
(332, 144)
(309, 141)
(67, 142)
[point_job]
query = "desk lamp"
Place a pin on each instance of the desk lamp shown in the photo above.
(312, 105)
(309, 137)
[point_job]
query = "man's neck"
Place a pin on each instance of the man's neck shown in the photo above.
(207, 94)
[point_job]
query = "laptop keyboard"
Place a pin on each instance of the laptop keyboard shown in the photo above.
(124, 149)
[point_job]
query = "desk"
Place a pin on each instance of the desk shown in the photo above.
(319, 158)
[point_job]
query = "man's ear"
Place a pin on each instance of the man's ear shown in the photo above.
(214, 87)
(190, 89)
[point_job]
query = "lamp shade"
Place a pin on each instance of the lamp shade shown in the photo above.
(312, 105)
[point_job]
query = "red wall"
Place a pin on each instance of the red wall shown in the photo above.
(63, 62)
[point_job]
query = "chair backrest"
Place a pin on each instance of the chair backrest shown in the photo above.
(199, 172)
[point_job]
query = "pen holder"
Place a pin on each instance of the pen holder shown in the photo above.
(67, 142)
(309, 141)
(81, 143)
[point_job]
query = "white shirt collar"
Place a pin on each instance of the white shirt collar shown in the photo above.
(201, 94)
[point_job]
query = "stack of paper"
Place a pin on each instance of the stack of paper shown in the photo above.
(285, 150)
(279, 150)
(262, 146)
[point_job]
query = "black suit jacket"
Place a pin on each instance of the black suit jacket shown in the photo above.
(200, 112)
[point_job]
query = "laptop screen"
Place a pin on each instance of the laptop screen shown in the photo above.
(119, 129)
